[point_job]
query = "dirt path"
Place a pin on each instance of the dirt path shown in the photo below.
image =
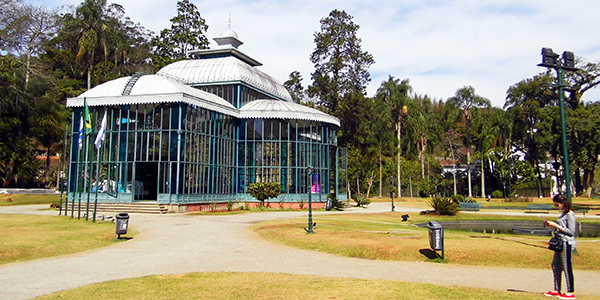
(175, 243)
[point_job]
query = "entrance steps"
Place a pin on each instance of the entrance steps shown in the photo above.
(144, 207)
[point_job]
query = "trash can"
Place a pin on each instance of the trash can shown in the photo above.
(122, 223)
(436, 236)
(329, 204)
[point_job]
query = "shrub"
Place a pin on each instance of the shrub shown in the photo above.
(265, 190)
(229, 205)
(497, 194)
(517, 198)
(362, 201)
(444, 206)
(458, 198)
(213, 206)
(337, 204)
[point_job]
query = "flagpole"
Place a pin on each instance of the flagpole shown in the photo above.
(89, 176)
(98, 144)
(78, 174)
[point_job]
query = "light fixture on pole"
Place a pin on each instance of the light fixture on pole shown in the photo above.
(551, 60)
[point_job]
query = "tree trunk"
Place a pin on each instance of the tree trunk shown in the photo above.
(482, 178)
(399, 155)
(380, 171)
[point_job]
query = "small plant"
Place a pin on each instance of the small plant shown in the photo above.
(301, 203)
(281, 202)
(497, 194)
(335, 203)
(444, 206)
(470, 200)
(458, 198)
(246, 206)
(213, 206)
(229, 205)
(517, 198)
(362, 201)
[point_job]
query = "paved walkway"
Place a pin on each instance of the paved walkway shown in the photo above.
(175, 243)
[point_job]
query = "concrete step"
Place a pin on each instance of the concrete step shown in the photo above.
(136, 207)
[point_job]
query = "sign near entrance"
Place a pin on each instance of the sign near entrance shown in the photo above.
(316, 184)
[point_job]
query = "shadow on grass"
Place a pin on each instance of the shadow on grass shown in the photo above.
(430, 254)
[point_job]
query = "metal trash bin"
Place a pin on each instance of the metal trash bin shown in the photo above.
(329, 204)
(436, 236)
(122, 223)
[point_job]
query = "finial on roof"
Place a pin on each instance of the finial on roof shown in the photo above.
(228, 38)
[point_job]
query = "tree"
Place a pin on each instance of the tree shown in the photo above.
(340, 64)
(91, 23)
(26, 30)
(264, 190)
(294, 86)
(466, 100)
(186, 34)
(452, 143)
(394, 93)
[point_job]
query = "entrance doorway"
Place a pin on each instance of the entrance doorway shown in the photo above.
(147, 174)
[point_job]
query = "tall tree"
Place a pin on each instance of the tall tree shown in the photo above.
(466, 100)
(26, 29)
(394, 93)
(186, 34)
(91, 23)
(340, 64)
(294, 86)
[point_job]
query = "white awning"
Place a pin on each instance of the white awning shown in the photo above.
(274, 109)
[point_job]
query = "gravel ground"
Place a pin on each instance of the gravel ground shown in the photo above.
(176, 243)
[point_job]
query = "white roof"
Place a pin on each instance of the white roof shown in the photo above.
(224, 70)
(151, 89)
(274, 109)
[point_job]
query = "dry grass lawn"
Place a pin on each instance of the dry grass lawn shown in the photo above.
(385, 237)
(251, 286)
(28, 237)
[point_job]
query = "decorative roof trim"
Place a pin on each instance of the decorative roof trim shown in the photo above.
(154, 99)
(225, 50)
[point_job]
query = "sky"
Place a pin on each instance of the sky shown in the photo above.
(440, 46)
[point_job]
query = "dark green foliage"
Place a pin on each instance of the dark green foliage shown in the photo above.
(340, 64)
(337, 204)
(265, 190)
(457, 198)
(426, 188)
(186, 34)
(497, 194)
(444, 206)
(361, 201)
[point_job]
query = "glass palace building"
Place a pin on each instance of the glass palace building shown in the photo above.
(199, 132)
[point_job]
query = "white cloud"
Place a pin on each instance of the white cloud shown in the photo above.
(439, 45)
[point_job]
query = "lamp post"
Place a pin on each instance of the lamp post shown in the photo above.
(309, 170)
(550, 60)
(392, 192)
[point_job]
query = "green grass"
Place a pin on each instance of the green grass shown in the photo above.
(28, 237)
(225, 285)
(28, 199)
(385, 237)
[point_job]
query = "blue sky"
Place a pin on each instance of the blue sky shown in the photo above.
(439, 46)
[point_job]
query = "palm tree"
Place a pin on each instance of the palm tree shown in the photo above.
(394, 93)
(91, 23)
(466, 99)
